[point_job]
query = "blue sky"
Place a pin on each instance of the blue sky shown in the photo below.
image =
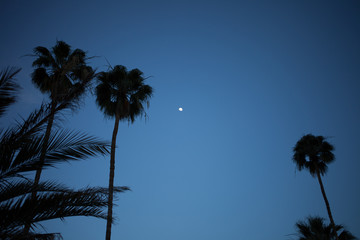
(252, 77)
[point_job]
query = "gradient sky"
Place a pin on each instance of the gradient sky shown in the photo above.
(252, 76)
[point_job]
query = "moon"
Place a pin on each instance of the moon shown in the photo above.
(180, 109)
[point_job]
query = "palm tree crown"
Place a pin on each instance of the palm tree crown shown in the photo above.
(316, 229)
(313, 153)
(122, 93)
(60, 70)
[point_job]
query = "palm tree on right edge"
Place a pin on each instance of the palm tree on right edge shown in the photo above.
(314, 153)
(120, 95)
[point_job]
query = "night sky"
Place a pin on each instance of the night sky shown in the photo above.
(253, 77)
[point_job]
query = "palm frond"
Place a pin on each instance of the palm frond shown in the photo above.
(8, 88)
(42, 80)
(73, 93)
(23, 138)
(14, 189)
(44, 58)
(61, 52)
(104, 99)
(77, 57)
(346, 235)
(53, 201)
(64, 146)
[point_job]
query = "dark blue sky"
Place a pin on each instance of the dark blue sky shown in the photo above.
(252, 77)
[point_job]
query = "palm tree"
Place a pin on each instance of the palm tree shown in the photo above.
(20, 151)
(314, 153)
(120, 95)
(316, 229)
(64, 75)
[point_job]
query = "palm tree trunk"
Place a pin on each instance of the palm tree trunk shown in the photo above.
(42, 157)
(327, 204)
(111, 179)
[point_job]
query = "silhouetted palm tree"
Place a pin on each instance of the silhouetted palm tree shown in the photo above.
(64, 75)
(316, 229)
(314, 153)
(120, 95)
(20, 151)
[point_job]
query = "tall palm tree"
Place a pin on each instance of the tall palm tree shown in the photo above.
(64, 75)
(120, 94)
(20, 151)
(315, 229)
(314, 153)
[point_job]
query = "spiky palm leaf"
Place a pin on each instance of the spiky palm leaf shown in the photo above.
(20, 145)
(53, 201)
(64, 146)
(314, 228)
(8, 88)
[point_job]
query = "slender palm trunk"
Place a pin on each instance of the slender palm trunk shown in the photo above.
(42, 157)
(111, 179)
(327, 204)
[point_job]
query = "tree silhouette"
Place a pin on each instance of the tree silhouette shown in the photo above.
(20, 153)
(314, 153)
(315, 229)
(120, 95)
(64, 75)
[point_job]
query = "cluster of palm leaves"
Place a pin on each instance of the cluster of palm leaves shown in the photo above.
(314, 228)
(36, 142)
(314, 154)
(33, 144)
